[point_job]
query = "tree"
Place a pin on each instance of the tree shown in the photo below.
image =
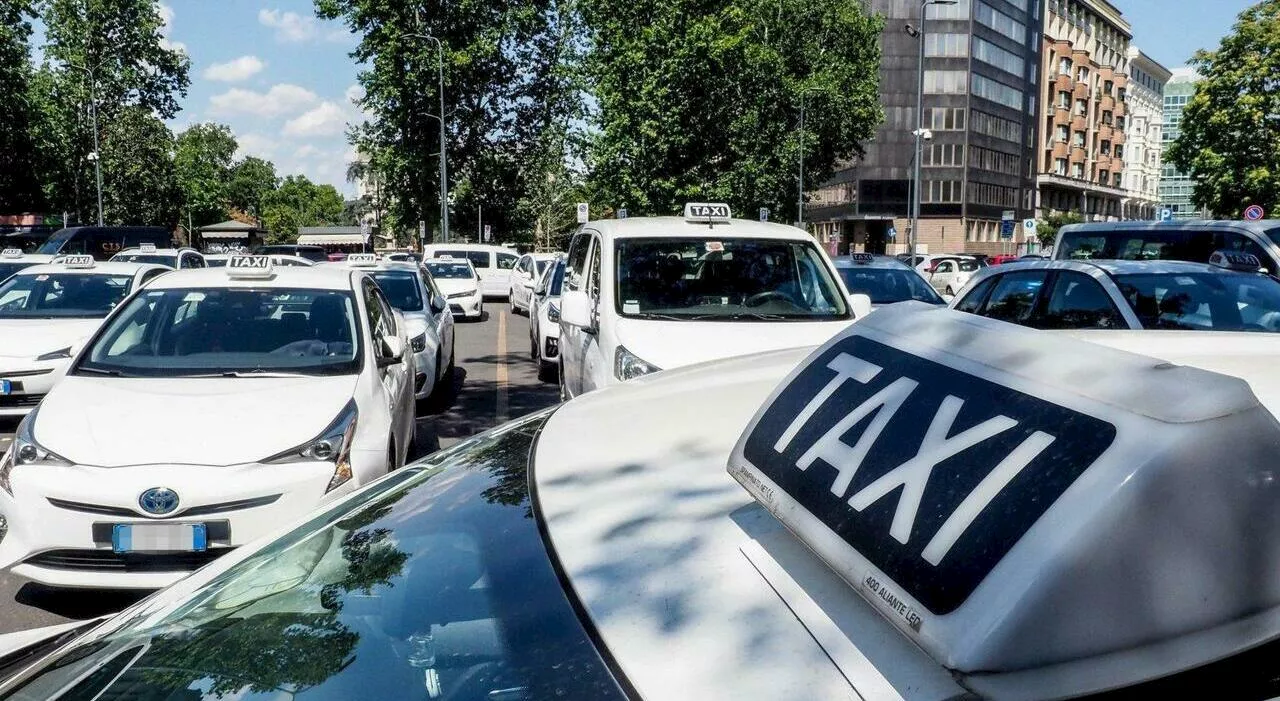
(203, 165)
(1230, 140)
(506, 83)
(701, 101)
(296, 203)
(1047, 228)
(108, 49)
(252, 179)
(137, 159)
(19, 189)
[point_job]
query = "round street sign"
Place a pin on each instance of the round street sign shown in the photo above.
(1254, 212)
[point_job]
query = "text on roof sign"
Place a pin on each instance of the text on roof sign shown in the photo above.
(707, 210)
(929, 473)
(78, 261)
(862, 257)
(11, 253)
(1235, 260)
(147, 248)
(362, 259)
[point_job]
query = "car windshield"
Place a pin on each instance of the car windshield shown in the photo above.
(724, 279)
(542, 265)
(62, 295)
(479, 259)
(557, 281)
(151, 258)
(1203, 301)
(7, 269)
(451, 271)
(219, 331)
(400, 288)
(434, 584)
(888, 285)
(215, 262)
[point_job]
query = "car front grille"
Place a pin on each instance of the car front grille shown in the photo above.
(20, 401)
(110, 561)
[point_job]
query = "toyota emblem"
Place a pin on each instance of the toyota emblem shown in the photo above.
(159, 501)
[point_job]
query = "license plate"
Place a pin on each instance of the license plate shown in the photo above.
(6, 387)
(159, 537)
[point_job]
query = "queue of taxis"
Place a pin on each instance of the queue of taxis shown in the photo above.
(148, 457)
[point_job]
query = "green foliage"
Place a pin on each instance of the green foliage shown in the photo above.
(19, 189)
(1047, 228)
(202, 162)
(252, 179)
(137, 160)
(1230, 140)
(296, 203)
(701, 100)
(508, 82)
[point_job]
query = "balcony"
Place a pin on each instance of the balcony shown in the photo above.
(1060, 150)
(1063, 82)
(1079, 122)
(1117, 138)
(1077, 154)
(1107, 104)
(1105, 132)
(1081, 91)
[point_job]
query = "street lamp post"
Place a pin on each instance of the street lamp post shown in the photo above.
(444, 169)
(919, 132)
(93, 116)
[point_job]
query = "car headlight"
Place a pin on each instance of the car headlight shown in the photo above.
(59, 354)
(553, 313)
(419, 343)
(26, 451)
(459, 295)
(627, 366)
(332, 445)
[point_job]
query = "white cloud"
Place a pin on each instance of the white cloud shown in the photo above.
(355, 92)
(326, 119)
(281, 99)
(292, 27)
(306, 151)
(235, 70)
(252, 144)
(166, 28)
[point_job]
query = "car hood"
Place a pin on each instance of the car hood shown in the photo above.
(1246, 355)
(449, 286)
(27, 338)
(112, 422)
(673, 344)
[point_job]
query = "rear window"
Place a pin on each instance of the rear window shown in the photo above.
(1191, 245)
(479, 259)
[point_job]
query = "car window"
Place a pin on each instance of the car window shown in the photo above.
(1014, 296)
(972, 302)
(969, 266)
(62, 295)
(888, 285)
(1217, 301)
(388, 315)
(401, 288)
(506, 261)
(945, 266)
(375, 313)
(595, 271)
(451, 270)
(152, 274)
(479, 259)
(1079, 302)
(576, 265)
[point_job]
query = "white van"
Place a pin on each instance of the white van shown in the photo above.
(492, 263)
(656, 293)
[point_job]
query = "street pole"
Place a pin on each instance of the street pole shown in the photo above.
(444, 169)
(800, 198)
(919, 133)
(93, 116)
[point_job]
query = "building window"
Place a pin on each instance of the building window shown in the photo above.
(996, 91)
(1105, 147)
(1119, 152)
(960, 10)
(1117, 180)
(993, 55)
(1077, 139)
(945, 118)
(1082, 74)
(1077, 171)
(941, 191)
(945, 82)
(1082, 108)
(1107, 87)
(943, 155)
(1064, 100)
(946, 45)
(1062, 133)
(993, 195)
(1064, 66)
(998, 127)
(1107, 118)
(1104, 177)
(1060, 167)
(1000, 22)
(1120, 123)
(994, 161)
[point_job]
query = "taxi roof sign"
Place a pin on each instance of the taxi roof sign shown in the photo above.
(707, 212)
(975, 507)
(11, 253)
(80, 262)
(249, 266)
(362, 260)
(862, 257)
(147, 247)
(1235, 260)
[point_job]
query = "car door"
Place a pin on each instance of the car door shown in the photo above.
(597, 354)
(1077, 301)
(1014, 297)
(943, 274)
(520, 282)
(503, 263)
(391, 380)
(441, 318)
(573, 338)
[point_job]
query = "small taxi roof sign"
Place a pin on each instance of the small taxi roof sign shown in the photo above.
(1235, 260)
(147, 247)
(11, 253)
(78, 261)
(707, 211)
(862, 257)
(249, 266)
(362, 260)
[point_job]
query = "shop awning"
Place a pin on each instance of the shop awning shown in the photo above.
(330, 240)
(224, 235)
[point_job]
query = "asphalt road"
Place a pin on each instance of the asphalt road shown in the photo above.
(494, 381)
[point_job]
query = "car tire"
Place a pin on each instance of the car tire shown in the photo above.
(511, 303)
(533, 346)
(564, 395)
(548, 371)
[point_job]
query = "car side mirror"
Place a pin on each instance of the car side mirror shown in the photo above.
(438, 304)
(392, 352)
(860, 304)
(575, 310)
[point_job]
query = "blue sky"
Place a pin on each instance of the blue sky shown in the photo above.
(283, 80)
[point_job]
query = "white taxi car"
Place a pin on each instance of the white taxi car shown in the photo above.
(458, 281)
(220, 260)
(176, 258)
(428, 322)
(13, 259)
(47, 312)
(932, 506)
(210, 407)
(544, 321)
(651, 293)
(525, 275)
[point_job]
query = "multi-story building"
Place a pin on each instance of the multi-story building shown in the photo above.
(1176, 186)
(1144, 147)
(981, 70)
(1085, 109)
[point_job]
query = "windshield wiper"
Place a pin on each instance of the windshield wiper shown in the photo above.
(258, 372)
(101, 371)
(662, 317)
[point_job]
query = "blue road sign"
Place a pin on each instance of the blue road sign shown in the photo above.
(1006, 229)
(1254, 212)
(893, 233)
(1166, 214)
